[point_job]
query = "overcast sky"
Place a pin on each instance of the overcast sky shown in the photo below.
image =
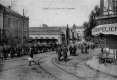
(59, 12)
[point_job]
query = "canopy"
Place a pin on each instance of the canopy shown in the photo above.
(105, 29)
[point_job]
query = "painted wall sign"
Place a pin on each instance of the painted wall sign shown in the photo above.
(105, 29)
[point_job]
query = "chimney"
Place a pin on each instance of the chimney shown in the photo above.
(9, 7)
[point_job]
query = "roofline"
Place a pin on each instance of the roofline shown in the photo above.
(11, 12)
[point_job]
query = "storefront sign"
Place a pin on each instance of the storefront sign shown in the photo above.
(105, 29)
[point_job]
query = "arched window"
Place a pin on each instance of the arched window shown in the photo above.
(41, 38)
(47, 37)
(36, 37)
(53, 38)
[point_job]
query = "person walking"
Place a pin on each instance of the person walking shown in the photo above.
(1, 53)
(31, 54)
(59, 51)
(81, 47)
(85, 48)
(4, 52)
(65, 50)
(70, 49)
(74, 50)
(12, 51)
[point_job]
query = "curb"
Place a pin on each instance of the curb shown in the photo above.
(100, 71)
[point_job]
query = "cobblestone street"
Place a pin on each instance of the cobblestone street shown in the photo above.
(51, 69)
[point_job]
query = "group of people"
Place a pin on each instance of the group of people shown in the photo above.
(9, 51)
(62, 51)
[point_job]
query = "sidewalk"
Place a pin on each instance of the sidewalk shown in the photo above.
(107, 69)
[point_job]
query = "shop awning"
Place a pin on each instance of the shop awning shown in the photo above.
(105, 29)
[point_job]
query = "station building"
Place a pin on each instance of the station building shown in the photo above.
(48, 34)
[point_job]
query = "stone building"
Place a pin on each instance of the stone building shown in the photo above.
(48, 34)
(106, 29)
(76, 33)
(13, 25)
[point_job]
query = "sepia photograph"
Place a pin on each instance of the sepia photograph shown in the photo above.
(58, 39)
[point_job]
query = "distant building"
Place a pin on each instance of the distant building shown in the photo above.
(48, 34)
(13, 25)
(76, 33)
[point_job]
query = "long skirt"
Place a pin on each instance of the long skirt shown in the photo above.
(30, 59)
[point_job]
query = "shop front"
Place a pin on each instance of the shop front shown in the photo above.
(109, 32)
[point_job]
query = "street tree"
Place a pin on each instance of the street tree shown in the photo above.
(92, 22)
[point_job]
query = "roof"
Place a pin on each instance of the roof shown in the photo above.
(79, 27)
(11, 11)
(46, 28)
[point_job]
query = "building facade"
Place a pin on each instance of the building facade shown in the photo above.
(58, 33)
(13, 25)
(108, 7)
(76, 33)
(106, 30)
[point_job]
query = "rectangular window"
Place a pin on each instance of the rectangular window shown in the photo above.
(18, 23)
(9, 22)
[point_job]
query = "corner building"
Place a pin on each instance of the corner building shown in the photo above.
(13, 24)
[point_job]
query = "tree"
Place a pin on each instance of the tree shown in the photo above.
(86, 30)
(88, 26)
(67, 34)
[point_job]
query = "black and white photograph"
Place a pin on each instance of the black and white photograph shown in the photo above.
(58, 39)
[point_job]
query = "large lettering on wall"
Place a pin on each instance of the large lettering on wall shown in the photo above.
(105, 29)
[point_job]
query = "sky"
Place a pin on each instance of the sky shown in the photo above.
(53, 12)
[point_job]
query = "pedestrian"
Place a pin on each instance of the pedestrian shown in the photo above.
(85, 48)
(4, 51)
(101, 49)
(74, 50)
(12, 51)
(31, 54)
(65, 50)
(59, 51)
(70, 49)
(1, 53)
(81, 46)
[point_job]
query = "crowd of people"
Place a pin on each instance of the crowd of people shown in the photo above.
(62, 50)
(9, 51)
